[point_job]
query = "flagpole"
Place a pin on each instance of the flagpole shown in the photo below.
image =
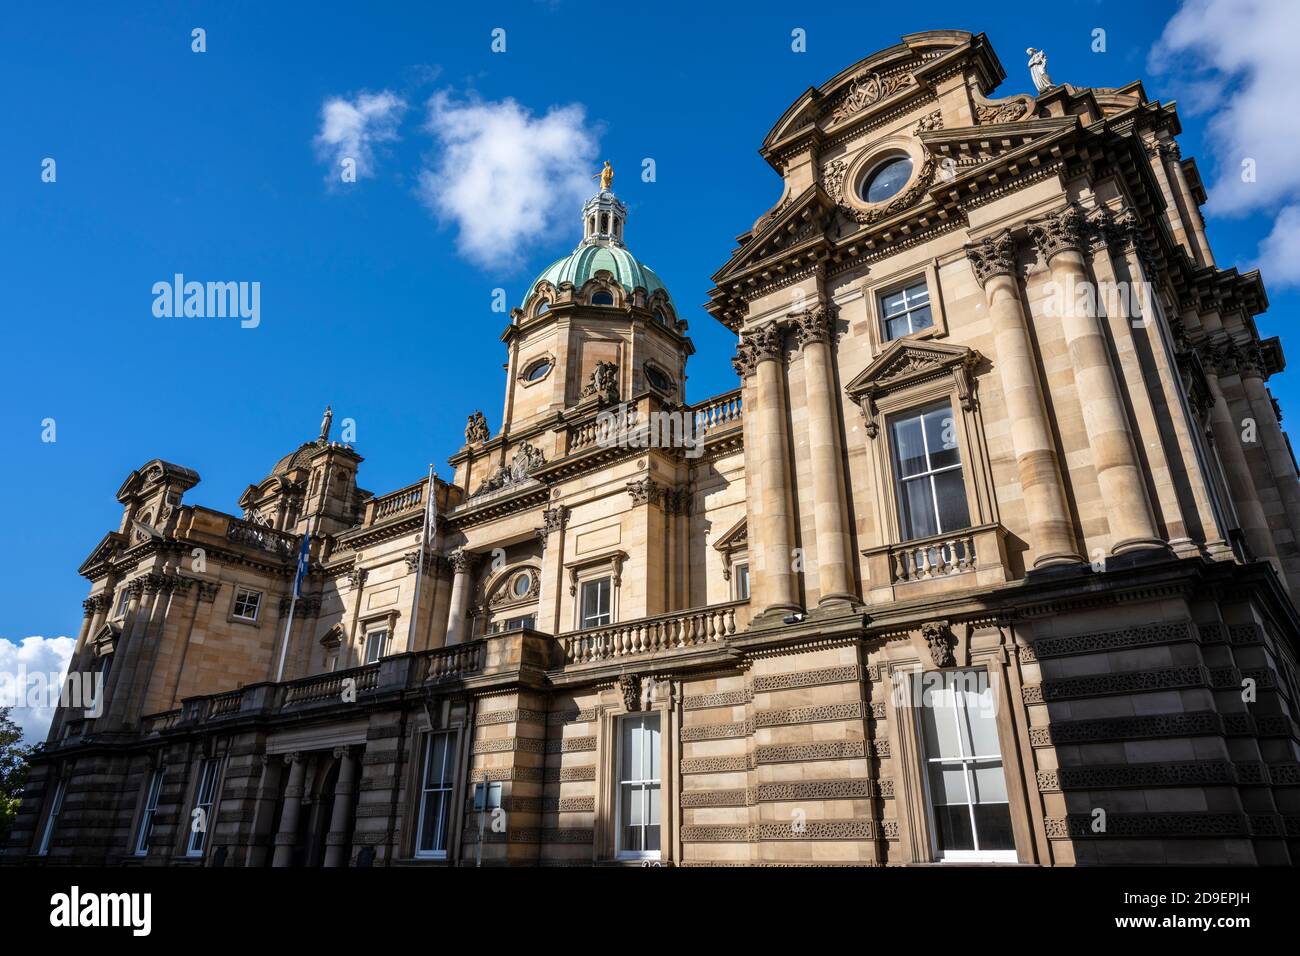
(430, 507)
(288, 624)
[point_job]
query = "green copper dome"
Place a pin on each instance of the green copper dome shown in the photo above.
(585, 261)
(601, 249)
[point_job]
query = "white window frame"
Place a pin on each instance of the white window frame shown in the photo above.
(643, 784)
(739, 573)
(446, 785)
(152, 795)
(51, 818)
(380, 634)
(967, 762)
(909, 309)
(205, 798)
(240, 595)
(584, 622)
(123, 603)
(901, 482)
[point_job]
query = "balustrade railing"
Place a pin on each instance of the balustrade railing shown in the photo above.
(604, 429)
(397, 502)
(651, 635)
(933, 557)
(458, 660)
(718, 412)
(262, 537)
(329, 686)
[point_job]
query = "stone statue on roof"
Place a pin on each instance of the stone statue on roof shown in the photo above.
(325, 424)
(1038, 70)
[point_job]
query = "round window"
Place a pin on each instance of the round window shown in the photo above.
(520, 586)
(887, 179)
(658, 379)
(537, 372)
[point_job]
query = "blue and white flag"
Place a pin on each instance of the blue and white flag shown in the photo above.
(302, 564)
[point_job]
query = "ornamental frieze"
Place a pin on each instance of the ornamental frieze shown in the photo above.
(870, 88)
(1195, 724)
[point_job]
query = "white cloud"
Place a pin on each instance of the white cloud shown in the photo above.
(1279, 253)
(507, 178)
(1237, 60)
(19, 665)
(351, 129)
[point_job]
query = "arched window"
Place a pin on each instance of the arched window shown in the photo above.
(602, 298)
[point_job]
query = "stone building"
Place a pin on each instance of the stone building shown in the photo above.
(989, 557)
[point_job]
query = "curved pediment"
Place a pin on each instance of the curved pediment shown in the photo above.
(881, 79)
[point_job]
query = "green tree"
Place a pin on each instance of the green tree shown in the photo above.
(13, 770)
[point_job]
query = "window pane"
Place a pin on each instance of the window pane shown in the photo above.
(951, 812)
(981, 722)
(650, 756)
(941, 438)
(909, 446)
(921, 319)
(893, 303)
(994, 822)
(988, 783)
(938, 722)
(918, 509)
(918, 294)
(896, 328)
(951, 491)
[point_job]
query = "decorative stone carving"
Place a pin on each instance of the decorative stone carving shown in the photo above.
(746, 360)
(461, 561)
(908, 197)
(629, 685)
(939, 641)
(646, 491)
(357, 578)
(1064, 231)
(527, 459)
(814, 325)
(554, 519)
(868, 88)
(993, 256)
(767, 342)
(208, 591)
(928, 122)
(833, 179)
(476, 429)
(604, 382)
(431, 561)
(505, 595)
(677, 501)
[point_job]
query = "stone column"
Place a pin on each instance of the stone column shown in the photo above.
(1227, 439)
(1052, 531)
(1191, 210)
(1250, 363)
(336, 846)
(287, 838)
(773, 538)
(264, 811)
(815, 330)
(91, 612)
(1060, 240)
(462, 591)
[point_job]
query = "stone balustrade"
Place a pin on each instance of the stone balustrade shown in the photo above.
(398, 502)
(719, 412)
(460, 660)
(663, 633)
(971, 557)
(262, 538)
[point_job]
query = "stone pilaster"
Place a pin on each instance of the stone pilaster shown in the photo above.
(1050, 527)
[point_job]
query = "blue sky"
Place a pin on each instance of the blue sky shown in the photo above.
(376, 296)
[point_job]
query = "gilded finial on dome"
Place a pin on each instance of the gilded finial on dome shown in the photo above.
(606, 176)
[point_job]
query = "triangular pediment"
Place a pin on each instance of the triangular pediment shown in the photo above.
(906, 361)
(736, 537)
(797, 227)
(108, 547)
(1015, 145)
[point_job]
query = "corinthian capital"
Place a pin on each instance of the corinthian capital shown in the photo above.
(461, 561)
(766, 341)
(745, 361)
(814, 325)
(994, 256)
(1064, 231)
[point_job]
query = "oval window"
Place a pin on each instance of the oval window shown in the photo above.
(602, 298)
(537, 372)
(520, 586)
(658, 379)
(887, 179)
